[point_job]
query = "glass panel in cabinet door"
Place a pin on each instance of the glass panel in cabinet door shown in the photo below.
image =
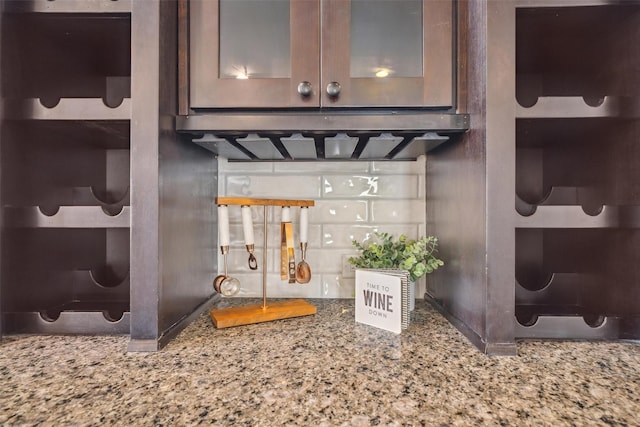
(386, 38)
(254, 39)
(254, 53)
(387, 53)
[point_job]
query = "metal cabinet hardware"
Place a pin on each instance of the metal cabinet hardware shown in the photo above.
(333, 89)
(305, 88)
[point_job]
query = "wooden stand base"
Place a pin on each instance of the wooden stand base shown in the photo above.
(250, 314)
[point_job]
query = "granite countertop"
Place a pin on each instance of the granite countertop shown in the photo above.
(322, 369)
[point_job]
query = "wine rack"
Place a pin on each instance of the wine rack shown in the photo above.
(577, 205)
(319, 145)
(65, 166)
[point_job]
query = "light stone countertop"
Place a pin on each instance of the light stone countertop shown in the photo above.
(316, 370)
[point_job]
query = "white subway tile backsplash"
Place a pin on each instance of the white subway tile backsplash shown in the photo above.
(335, 286)
(237, 186)
(273, 186)
(236, 237)
(411, 211)
(349, 186)
(273, 237)
(315, 236)
(398, 186)
(237, 261)
(341, 236)
(340, 211)
(282, 289)
(324, 261)
(390, 186)
(274, 259)
(353, 199)
(321, 167)
(251, 287)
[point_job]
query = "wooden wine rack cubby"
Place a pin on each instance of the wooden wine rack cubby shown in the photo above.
(538, 205)
(65, 166)
(577, 169)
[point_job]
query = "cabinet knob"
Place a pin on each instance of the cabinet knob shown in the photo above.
(333, 89)
(305, 88)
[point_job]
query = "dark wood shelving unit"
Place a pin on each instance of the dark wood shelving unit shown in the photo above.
(540, 205)
(93, 177)
(64, 62)
(582, 242)
(532, 168)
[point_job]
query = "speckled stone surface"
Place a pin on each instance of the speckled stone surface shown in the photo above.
(317, 370)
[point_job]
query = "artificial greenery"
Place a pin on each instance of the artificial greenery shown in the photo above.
(415, 256)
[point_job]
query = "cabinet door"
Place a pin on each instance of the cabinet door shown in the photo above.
(254, 53)
(387, 53)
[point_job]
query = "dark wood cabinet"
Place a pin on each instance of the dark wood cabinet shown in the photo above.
(65, 169)
(538, 203)
(321, 53)
(251, 87)
(576, 155)
(95, 184)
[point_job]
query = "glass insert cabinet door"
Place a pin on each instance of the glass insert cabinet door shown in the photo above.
(254, 53)
(391, 53)
(321, 53)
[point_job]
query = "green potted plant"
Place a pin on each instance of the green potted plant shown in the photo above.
(415, 256)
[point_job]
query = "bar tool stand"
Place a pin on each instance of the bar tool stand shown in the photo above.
(250, 314)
